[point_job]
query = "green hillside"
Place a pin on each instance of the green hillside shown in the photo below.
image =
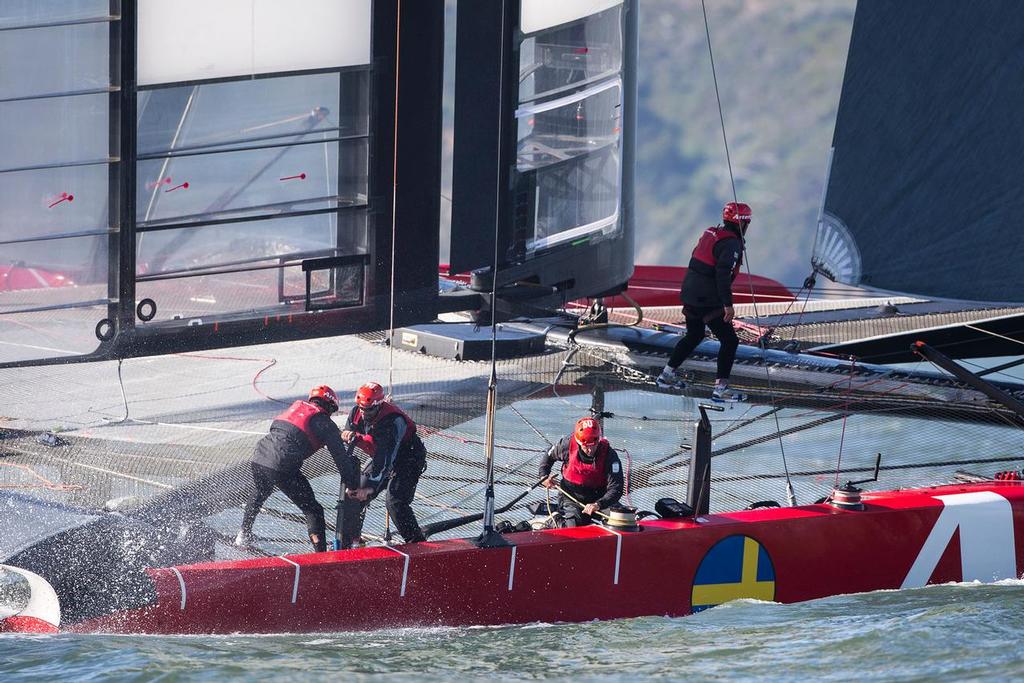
(780, 66)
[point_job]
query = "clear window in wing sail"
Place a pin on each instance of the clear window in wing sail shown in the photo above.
(59, 171)
(220, 116)
(244, 266)
(54, 60)
(28, 13)
(277, 180)
(55, 130)
(570, 126)
(49, 201)
(240, 182)
(571, 56)
(567, 182)
(52, 294)
(577, 199)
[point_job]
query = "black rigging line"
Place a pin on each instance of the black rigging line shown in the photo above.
(489, 533)
(732, 180)
(778, 434)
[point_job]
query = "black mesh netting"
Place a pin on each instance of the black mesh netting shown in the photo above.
(163, 441)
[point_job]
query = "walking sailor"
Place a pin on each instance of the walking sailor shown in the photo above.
(707, 299)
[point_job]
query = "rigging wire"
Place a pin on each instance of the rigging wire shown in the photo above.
(394, 228)
(846, 413)
(394, 198)
(531, 425)
(492, 382)
(790, 494)
(994, 334)
(718, 97)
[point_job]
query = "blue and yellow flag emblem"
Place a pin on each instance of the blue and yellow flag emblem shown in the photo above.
(735, 567)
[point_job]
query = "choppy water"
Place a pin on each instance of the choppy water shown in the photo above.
(956, 632)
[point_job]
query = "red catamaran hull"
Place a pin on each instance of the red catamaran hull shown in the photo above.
(659, 286)
(671, 567)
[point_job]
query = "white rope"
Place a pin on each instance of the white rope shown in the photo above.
(994, 334)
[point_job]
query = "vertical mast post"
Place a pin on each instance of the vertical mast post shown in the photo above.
(698, 486)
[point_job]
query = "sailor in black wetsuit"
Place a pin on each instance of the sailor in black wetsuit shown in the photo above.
(296, 434)
(397, 459)
(591, 472)
(706, 294)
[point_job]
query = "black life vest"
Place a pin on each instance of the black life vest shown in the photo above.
(386, 409)
(592, 475)
(704, 254)
(299, 414)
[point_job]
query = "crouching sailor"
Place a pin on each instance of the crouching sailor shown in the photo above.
(397, 459)
(591, 473)
(294, 435)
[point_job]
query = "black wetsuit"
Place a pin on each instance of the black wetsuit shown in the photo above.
(398, 458)
(705, 293)
(605, 495)
(277, 460)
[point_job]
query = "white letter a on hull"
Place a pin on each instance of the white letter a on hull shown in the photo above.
(987, 550)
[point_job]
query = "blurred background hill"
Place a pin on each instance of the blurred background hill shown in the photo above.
(780, 69)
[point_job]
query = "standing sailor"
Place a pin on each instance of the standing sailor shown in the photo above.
(297, 433)
(707, 299)
(397, 459)
(591, 472)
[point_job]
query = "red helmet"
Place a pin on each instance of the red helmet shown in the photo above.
(734, 212)
(588, 431)
(325, 394)
(369, 396)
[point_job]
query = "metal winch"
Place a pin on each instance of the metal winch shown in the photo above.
(847, 496)
(622, 518)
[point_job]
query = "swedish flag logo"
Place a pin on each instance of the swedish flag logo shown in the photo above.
(735, 567)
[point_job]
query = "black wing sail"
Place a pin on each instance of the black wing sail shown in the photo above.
(928, 158)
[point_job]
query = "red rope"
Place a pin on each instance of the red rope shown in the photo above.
(270, 362)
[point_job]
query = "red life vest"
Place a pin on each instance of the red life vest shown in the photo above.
(385, 410)
(704, 251)
(592, 475)
(299, 414)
